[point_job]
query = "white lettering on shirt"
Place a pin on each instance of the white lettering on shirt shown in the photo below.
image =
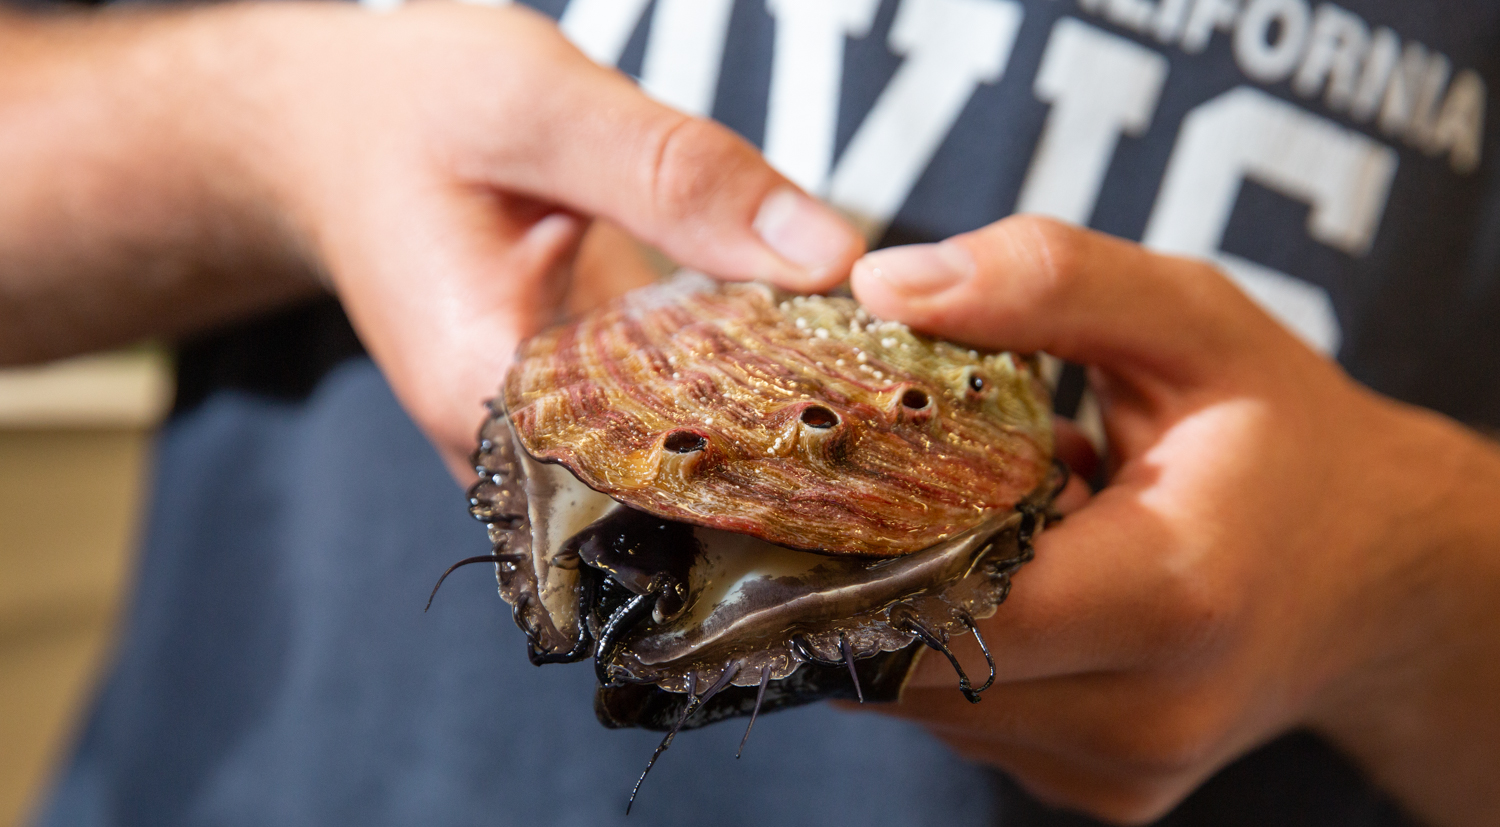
(807, 72)
(1459, 130)
(1261, 57)
(1365, 75)
(1338, 43)
(686, 49)
(1413, 93)
(1206, 17)
(1100, 86)
(1385, 50)
(951, 46)
(1247, 134)
(601, 28)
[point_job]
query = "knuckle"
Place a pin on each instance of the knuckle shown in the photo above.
(1170, 738)
(1103, 797)
(1057, 249)
(1131, 806)
(1200, 613)
(1177, 746)
(692, 162)
(1197, 600)
(1191, 613)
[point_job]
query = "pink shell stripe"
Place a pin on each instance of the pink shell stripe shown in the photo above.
(797, 420)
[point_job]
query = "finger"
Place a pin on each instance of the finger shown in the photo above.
(442, 303)
(687, 185)
(1062, 781)
(1112, 559)
(1150, 734)
(1099, 719)
(1029, 283)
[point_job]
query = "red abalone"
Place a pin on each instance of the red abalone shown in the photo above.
(735, 498)
(798, 420)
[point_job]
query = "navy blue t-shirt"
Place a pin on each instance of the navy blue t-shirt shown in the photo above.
(1338, 161)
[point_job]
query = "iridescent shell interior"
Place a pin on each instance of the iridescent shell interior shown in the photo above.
(800, 421)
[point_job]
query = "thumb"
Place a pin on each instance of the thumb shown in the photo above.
(1028, 283)
(711, 202)
(689, 186)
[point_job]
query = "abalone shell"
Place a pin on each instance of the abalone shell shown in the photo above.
(798, 420)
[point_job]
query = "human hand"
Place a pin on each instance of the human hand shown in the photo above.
(1276, 547)
(443, 162)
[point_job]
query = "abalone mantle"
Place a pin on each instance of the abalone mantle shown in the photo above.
(747, 610)
(800, 421)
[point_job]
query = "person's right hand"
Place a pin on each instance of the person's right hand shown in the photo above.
(443, 161)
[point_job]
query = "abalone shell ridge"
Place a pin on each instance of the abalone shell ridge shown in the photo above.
(798, 420)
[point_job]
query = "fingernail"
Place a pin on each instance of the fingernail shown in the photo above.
(920, 269)
(803, 231)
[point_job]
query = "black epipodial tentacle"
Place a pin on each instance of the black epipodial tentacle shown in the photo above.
(694, 702)
(760, 695)
(802, 648)
(687, 710)
(983, 647)
(486, 558)
(584, 646)
(848, 653)
(907, 620)
(718, 686)
(623, 619)
(1034, 515)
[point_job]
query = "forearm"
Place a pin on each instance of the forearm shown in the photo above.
(133, 204)
(1422, 716)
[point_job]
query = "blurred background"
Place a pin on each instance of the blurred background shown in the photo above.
(75, 442)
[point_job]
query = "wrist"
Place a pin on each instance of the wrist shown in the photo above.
(1415, 707)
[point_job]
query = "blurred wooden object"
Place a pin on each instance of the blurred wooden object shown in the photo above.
(129, 389)
(74, 449)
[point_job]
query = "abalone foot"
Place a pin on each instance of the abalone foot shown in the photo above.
(881, 678)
